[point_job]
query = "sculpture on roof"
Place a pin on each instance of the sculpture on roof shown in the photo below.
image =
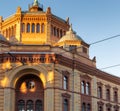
(35, 2)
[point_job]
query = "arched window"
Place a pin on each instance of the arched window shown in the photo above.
(83, 107)
(29, 105)
(38, 105)
(33, 28)
(115, 96)
(87, 88)
(61, 34)
(99, 92)
(28, 27)
(65, 107)
(65, 83)
(88, 107)
(21, 105)
(42, 28)
(100, 108)
(55, 31)
(108, 94)
(37, 28)
(83, 87)
(6, 32)
(23, 27)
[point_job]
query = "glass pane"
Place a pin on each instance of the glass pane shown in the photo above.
(28, 27)
(29, 105)
(38, 105)
(65, 82)
(33, 28)
(21, 105)
(65, 105)
(38, 28)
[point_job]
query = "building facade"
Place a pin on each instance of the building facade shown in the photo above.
(45, 66)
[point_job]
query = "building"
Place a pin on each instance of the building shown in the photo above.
(45, 66)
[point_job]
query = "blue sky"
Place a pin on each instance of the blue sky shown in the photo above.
(93, 20)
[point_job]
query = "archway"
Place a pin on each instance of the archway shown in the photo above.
(29, 93)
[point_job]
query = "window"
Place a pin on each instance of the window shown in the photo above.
(65, 82)
(28, 27)
(29, 106)
(83, 87)
(87, 88)
(115, 96)
(55, 31)
(33, 28)
(108, 94)
(86, 107)
(42, 28)
(72, 48)
(100, 108)
(65, 105)
(38, 28)
(61, 33)
(108, 107)
(116, 108)
(83, 107)
(21, 105)
(38, 105)
(23, 27)
(85, 50)
(99, 92)
(100, 105)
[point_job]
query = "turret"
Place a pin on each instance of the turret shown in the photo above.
(36, 6)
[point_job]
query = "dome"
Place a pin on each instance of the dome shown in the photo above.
(70, 38)
(2, 38)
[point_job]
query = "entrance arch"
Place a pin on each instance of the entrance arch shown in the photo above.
(29, 93)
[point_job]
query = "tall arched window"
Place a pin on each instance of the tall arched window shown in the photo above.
(83, 87)
(88, 107)
(28, 27)
(21, 105)
(65, 83)
(115, 96)
(100, 108)
(6, 32)
(37, 28)
(61, 34)
(29, 105)
(65, 107)
(33, 28)
(38, 105)
(108, 94)
(23, 27)
(99, 92)
(83, 107)
(87, 88)
(42, 28)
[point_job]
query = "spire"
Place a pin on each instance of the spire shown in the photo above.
(35, 3)
(70, 29)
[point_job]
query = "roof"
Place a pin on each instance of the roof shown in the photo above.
(70, 38)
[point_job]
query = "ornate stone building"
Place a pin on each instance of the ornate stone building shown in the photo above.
(45, 66)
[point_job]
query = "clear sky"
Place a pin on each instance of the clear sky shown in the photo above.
(93, 20)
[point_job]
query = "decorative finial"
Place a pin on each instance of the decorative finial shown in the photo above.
(71, 28)
(35, 3)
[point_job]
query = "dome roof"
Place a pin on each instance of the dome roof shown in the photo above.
(70, 38)
(2, 38)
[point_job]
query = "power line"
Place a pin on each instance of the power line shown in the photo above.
(111, 66)
(105, 39)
